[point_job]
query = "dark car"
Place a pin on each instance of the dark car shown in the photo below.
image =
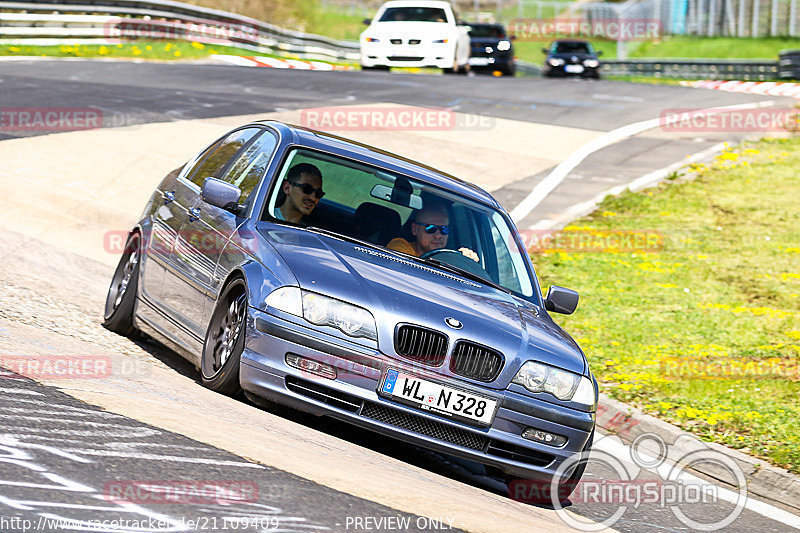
(571, 58)
(267, 260)
(491, 49)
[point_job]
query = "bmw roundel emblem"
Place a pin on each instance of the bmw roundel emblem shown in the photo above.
(453, 323)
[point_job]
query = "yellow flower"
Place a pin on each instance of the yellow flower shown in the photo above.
(794, 334)
(103, 51)
(711, 421)
(148, 47)
(608, 214)
(13, 49)
(177, 53)
(625, 386)
(197, 45)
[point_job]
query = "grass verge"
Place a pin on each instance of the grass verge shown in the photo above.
(678, 46)
(156, 50)
(703, 330)
(142, 50)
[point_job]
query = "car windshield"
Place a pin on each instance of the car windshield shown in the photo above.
(572, 48)
(414, 14)
(402, 214)
(486, 31)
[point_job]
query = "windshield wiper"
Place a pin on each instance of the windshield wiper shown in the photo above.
(466, 273)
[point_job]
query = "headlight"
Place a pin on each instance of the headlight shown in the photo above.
(591, 63)
(440, 41)
(538, 377)
(324, 311)
(502, 46)
(555, 61)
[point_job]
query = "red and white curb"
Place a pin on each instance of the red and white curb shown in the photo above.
(274, 62)
(770, 88)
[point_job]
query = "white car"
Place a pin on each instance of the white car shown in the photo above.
(421, 33)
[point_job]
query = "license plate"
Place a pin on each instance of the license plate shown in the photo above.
(440, 399)
(574, 69)
(479, 61)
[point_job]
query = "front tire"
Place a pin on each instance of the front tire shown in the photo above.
(222, 349)
(121, 298)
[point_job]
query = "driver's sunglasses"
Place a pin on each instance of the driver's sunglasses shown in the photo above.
(432, 228)
(308, 189)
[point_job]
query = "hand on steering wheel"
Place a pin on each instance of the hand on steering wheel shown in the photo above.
(466, 252)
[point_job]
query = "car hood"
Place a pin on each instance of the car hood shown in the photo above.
(399, 290)
(412, 30)
(567, 57)
(485, 41)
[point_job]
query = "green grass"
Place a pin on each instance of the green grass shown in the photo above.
(723, 290)
(152, 50)
(678, 47)
(142, 50)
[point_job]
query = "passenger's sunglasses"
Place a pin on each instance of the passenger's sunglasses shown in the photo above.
(432, 228)
(308, 189)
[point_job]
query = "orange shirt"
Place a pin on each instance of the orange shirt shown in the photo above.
(401, 245)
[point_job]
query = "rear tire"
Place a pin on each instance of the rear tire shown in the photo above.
(121, 298)
(222, 349)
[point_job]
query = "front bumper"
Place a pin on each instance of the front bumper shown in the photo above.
(353, 397)
(380, 55)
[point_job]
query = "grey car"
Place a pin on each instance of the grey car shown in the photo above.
(294, 290)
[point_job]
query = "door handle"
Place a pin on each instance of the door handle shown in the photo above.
(194, 214)
(169, 197)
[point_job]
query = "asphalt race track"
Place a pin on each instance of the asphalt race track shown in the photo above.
(66, 447)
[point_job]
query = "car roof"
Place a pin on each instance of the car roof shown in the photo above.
(347, 147)
(416, 3)
(570, 41)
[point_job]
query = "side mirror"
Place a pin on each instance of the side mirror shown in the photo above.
(367, 21)
(561, 300)
(512, 37)
(221, 194)
(545, 51)
(599, 52)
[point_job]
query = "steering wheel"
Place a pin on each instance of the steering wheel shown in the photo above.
(458, 260)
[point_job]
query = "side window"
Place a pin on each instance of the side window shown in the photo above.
(249, 168)
(212, 164)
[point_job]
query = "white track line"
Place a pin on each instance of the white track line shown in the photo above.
(639, 183)
(620, 450)
(557, 175)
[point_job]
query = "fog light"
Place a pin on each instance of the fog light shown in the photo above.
(310, 366)
(544, 437)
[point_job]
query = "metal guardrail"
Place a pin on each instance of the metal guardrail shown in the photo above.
(126, 19)
(730, 69)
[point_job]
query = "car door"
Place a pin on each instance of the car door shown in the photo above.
(245, 173)
(189, 270)
(168, 217)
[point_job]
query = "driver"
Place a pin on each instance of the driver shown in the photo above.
(430, 228)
